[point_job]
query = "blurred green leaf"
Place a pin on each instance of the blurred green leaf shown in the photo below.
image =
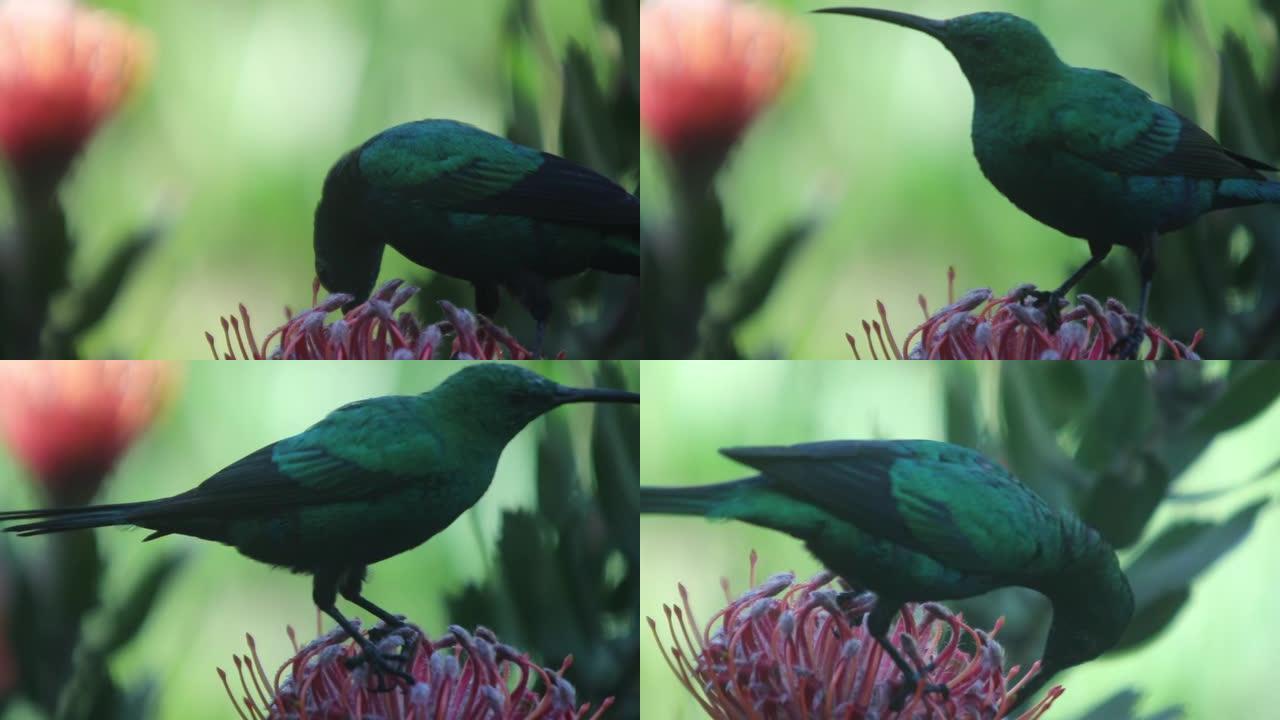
(1123, 500)
(584, 116)
(527, 556)
(1149, 619)
(1123, 414)
(1062, 387)
(1030, 445)
(960, 404)
(1124, 706)
(91, 693)
(557, 475)
(1162, 573)
(94, 300)
(615, 454)
(122, 621)
(1254, 387)
(750, 294)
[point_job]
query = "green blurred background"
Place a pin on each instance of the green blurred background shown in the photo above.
(1216, 659)
(873, 137)
(222, 411)
(247, 106)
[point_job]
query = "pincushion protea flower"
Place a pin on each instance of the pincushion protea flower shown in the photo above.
(64, 69)
(463, 676)
(802, 650)
(707, 68)
(371, 331)
(1010, 327)
(68, 422)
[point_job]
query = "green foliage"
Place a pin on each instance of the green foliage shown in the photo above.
(685, 261)
(64, 636)
(1124, 706)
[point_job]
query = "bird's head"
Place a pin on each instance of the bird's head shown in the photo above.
(1092, 607)
(506, 397)
(994, 49)
(347, 256)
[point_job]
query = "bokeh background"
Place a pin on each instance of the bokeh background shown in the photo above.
(575, 461)
(1214, 659)
(226, 144)
(869, 144)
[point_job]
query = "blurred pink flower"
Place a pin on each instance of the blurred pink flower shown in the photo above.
(707, 68)
(64, 69)
(371, 331)
(801, 650)
(68, 422)
(1011, 327)
(463, 676)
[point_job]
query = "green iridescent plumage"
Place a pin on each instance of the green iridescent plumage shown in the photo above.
(1085, 151)
(918, 520)
(469, 204)
(374, 478)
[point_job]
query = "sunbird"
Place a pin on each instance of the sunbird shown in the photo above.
(1085, 151)
(920, 520)
(475, 206)
(372, 479)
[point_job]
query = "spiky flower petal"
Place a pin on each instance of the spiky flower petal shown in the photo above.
(370, 331)
(784, 649)
(983, 326)
(462, 676)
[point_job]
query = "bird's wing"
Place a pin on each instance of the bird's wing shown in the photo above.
(941, 500)
(346, 456)
(446, 165)
(1116, 126)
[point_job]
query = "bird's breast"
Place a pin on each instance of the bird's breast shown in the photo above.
(1077, 197)
(361, 532)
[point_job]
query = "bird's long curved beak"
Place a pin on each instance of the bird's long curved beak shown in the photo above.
(925, 25)
(600, 395)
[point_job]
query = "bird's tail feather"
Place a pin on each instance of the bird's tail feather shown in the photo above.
(697, 500)
(1237, 192)
(52, 520)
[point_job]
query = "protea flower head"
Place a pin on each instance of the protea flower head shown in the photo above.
(984, 326)
(462, 676)
(802, 650)
(68, 422)
(64, 69)
(707, 68)
(370, 331)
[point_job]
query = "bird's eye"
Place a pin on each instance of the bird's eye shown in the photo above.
(982, 42)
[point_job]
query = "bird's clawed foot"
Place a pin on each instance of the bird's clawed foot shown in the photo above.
(1051, 302)
(388, 626)
(908, 689)
(384, 666)
(1126, 348)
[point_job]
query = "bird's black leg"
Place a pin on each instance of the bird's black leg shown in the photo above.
(1052, 301)
(532, 292)
(878, 623)
(350, 589)
(1127, 346)
(487, 298)
(324, 592)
